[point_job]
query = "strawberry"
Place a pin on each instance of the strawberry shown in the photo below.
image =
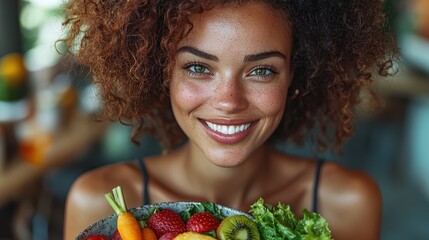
(168, 236)
(116, 235)
(202, 222)
(166, 221)
(98, 237)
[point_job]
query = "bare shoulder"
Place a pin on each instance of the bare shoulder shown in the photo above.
(95, 183)
(86, 202)
(351, 201)
(355, 186)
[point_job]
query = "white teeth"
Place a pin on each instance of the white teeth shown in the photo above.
(228, 130)
(231, 130)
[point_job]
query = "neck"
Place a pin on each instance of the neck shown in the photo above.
(234, 186)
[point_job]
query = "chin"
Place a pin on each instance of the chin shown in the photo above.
(227, 159)
(226, 164)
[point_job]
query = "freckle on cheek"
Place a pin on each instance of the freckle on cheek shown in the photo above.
(188, 94)
(273, 99)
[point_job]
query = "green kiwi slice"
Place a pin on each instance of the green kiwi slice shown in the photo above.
(237, 227)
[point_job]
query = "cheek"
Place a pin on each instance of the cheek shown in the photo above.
(186, 95)
(272, 100)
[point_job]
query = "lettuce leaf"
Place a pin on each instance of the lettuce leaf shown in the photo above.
(313, 226)
(279, 223)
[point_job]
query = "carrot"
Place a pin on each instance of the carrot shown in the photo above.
(148, 234)
(127, 224)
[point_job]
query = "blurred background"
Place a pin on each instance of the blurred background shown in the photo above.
(49, 134)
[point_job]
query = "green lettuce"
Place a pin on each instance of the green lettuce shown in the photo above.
(280, 223)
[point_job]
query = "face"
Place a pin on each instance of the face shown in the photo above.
(229, 85)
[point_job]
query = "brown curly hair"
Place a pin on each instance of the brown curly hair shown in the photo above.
(129, 47)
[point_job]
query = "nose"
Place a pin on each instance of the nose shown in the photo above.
(229, 95)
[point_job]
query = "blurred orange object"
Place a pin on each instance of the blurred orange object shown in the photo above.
(13, 78)
(34, 143)
(13, 69)
(34, 149)
(420, 9)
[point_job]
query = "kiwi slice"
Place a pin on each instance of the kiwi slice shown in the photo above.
(237, 227)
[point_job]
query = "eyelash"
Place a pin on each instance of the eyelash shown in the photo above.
(270, 68)
(194, 64)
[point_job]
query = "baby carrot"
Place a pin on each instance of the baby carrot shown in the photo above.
(148, 234)
(127, 224)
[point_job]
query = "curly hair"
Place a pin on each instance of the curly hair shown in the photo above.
(130, 45)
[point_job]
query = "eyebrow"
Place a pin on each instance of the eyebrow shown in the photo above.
(263, 55)
(247, 58)
(198, 53)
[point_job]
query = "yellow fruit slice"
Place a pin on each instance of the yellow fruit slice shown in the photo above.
(193, 236)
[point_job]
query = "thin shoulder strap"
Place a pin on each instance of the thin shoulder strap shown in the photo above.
(319, 164)
(145, 175)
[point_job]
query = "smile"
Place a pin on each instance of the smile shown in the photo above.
(228, 129)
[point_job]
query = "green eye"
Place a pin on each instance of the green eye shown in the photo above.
(198, 69)
(261, 71)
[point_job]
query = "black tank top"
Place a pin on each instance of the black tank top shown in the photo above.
(146, 196)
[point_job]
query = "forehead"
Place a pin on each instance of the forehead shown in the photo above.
(251, 23)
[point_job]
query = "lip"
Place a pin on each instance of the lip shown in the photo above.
(228, 138)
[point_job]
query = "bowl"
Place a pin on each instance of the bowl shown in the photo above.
(107, 225)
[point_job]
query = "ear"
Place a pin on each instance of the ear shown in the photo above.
(292, 92)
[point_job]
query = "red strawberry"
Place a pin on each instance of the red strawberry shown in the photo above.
(166, 221)
(168, 236)
(98, 237)
(202, 222)
(116, 235)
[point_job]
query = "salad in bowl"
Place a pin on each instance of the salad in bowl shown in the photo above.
(204, 221)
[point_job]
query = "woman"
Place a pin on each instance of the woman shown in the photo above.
(234, 77)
